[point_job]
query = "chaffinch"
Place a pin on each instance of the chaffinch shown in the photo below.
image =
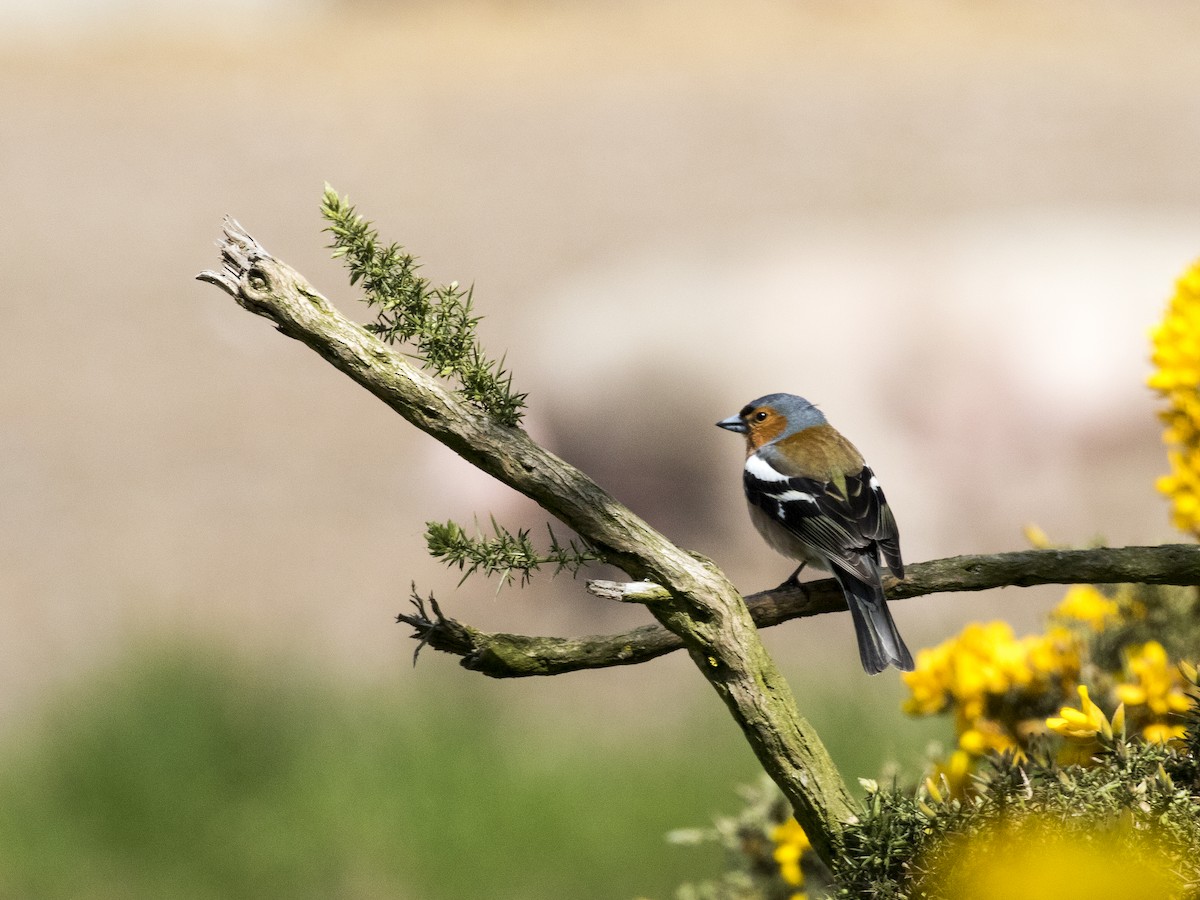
(813, 499)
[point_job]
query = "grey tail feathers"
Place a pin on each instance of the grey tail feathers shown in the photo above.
(879, 643)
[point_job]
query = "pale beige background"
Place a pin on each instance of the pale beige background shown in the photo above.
(950, 223)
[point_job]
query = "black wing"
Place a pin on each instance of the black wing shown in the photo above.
(850, 527)
(876, 522)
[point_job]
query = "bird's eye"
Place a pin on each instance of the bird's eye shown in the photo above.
(760, 416)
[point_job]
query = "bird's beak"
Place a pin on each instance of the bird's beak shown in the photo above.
(733, 423)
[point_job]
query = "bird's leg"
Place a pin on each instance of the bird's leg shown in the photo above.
(793, 581)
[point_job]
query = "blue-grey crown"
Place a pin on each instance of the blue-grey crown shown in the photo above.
(800, 413)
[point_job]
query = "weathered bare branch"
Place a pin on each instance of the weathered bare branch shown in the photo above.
(629, 591)
(502, 655)
(703, 611)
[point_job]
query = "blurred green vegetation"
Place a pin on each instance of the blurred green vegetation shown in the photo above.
(185, 772)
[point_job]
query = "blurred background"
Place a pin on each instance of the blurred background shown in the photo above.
(949, 222)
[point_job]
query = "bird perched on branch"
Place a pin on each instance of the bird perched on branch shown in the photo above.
(813, 499)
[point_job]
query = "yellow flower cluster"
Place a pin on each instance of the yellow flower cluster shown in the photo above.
(791, 843)
(1176, 357)
(999, 687)
(986, 660)
(987, 676)
(1154, 692)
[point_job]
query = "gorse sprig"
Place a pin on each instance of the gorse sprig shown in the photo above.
(504, 554)
(440, 325)
(439, 322)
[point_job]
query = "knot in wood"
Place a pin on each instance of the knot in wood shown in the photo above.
(256, 280)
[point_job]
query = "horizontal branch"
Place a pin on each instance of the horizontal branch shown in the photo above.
(502, 655)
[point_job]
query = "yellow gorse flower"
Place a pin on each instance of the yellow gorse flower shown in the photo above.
(956, 770)
(1083, 724)
(1162, 733)
(1082, 728)
(984, 736)
(1084, 603)
(1157, 685)
(1036, 536)
(1176, 357)
(791, 843)
(1054, 654)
